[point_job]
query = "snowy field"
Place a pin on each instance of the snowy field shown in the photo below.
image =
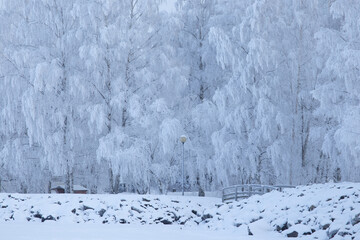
(323, 211)
(55, 231)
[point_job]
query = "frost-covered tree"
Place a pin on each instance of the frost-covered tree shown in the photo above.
(195, 21)
(273, 76)
(100, 91)
(130, 148)
(338, 93)
(18, 158)
(49, 107)
(100, 82)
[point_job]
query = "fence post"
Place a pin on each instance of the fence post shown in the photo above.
(236, 193)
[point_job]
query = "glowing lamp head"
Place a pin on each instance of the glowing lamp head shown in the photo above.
(183, 139)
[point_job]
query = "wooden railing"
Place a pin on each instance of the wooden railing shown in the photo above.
(244, 191)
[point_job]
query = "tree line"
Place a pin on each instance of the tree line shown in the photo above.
(100, 92)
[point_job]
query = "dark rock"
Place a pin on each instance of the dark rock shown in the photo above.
(101, 212)
(293, 234)
(329, 199)
(237, 224)
(122, 221)
(312, 207)
(73, 211)
(174, 216)
(37, 215)
(249, 231)
(146, 200)
(307, 233)
(206, 216)
(301, 195)
(84, 208)
(282, 228)
(356, 219)
(195, 212)
(105, 221)
(256, 219)
(313, 230)
(48, 218)
(28, 218)
(343, 197)
(4, 206)
(81, 201)
(58, 202)
(332, 233)
(136, 210)
(174, 201)
(166, 222)
(184, 221)
(343, 234)
(201, 192)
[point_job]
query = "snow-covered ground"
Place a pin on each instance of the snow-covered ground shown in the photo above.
(320, 211)
(90, 231)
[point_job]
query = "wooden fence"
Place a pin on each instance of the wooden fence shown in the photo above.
(245, 191)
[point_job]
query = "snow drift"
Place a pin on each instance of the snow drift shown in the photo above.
(322, 211)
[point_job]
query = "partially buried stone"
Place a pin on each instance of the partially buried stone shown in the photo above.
(293, 234)
(166, 222)
(101, 212)
(355, 220)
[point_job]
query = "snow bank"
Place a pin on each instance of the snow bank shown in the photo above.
(319, 211)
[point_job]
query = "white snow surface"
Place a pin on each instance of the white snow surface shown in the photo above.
(321, 211)
(55, 231)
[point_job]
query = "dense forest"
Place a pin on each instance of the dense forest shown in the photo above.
(99, 91)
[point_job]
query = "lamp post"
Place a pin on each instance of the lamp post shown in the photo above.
(183, 140)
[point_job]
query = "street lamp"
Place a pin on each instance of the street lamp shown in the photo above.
(183, 140)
